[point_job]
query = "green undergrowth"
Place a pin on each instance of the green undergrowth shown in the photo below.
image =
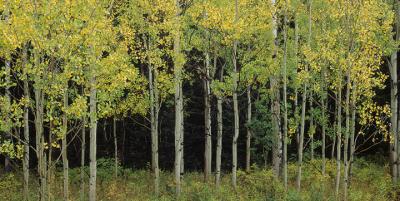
(369, 181)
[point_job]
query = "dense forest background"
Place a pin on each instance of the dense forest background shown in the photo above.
(199, 100)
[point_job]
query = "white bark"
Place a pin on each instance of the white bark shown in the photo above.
(178, 103)
(235, 106)
(207, 120)
(248, 139)
(64, 146)
(219, 131)
(26, 127)
(93, 138)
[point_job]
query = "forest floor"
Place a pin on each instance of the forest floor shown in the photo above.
(370, 181)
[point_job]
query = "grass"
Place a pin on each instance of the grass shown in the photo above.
(369, 181)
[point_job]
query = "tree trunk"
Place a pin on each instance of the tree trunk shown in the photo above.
(93, 138)
(64, 146)
(235, 105)
(83, 148)
(323, 125)
(219, 131)
(339, 136)
(115, 148)
(275, 109)
(178, 102)
(303, 109)
(312, 131)
(248, 140)
(285, 113)
(296, 114)
(50, 171)
(301, 137)
(352, 129)
(42, 165)
(347, 134)
(154, 129)
(394, 145)
(25, 163)
(7, 162)
(207, 120)
(335, 127)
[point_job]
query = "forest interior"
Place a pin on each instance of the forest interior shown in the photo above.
(199, 100)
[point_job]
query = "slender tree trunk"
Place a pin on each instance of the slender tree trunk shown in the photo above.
(25, 163)
(64, 146)
(301, 137)
(335, 127)
(248, 139)
(93, 138)
(7, 162)
(394, 145)
(207, 120)
(115, 147)
(83, 148)
(352, 129)
(285, 113)
(235, 105)
(154, 130)
(182, 169)
(156, 116)
(50, 173)
(324, 106)
(123, 141)
(324, 101)
(178, 102)
(312, 130)
(303, 109)
(42, 165)
(339, 136)
(275, 109)
(296, 116)
(296, 49)
(347, 134)
(219, 131)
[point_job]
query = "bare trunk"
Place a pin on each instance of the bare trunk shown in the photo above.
(301, 137)
(324, 101)
(25, 163)
(312, 132)
(235, 105)
(394, 146)
(115, 148)
(275, 109)
(219, 132)
(93, 138)
(296, 113)
(7, 162)
(352, 129)
(178, 103)
(207, 120)
(42, 165)
(324, 106)
(339, 136)
(83, 148)
(335, 128)
(285, 113)
(154, 129)
(303, 110)
(248, 140)
(64, 146)
(347, 134)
